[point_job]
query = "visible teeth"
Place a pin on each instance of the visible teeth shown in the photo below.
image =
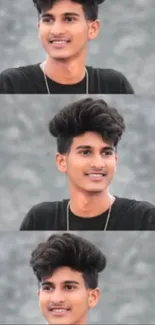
(59, 42)
(96, 175)
(59, 310)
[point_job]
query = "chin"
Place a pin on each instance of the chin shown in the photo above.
(94, 190)
(59, 56)
(59, 322)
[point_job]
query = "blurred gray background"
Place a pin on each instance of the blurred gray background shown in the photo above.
(127, 284)
(28, 173)
(126, 41)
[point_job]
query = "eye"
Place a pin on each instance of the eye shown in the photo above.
(70, 19)
(70, 287)
(46, 288)
(108, 153)
(85, 152)
(47, 20)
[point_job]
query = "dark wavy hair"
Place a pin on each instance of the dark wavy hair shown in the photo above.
(90, 7)
(68, 250)
(88, 114)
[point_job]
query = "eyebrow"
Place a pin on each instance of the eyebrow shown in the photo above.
(48, 15)
(89, 147)
(65, 282)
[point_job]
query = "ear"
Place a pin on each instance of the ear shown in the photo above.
(38, 25)
(61, 162)
(38, 294)
(94, 28)
(116, 158)
(115, 162)
(93, 298)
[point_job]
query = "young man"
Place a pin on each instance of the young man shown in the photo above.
(88, 132)
(65, 28)
(67, 267)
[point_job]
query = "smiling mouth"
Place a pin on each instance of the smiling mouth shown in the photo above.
(59, 41)
(59, 311)
(96, 175)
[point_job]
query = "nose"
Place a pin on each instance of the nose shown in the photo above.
(57, 297)
(57, 28)
(97, 161)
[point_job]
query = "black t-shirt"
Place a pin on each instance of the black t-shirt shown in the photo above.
(30, 80)
(126, 214)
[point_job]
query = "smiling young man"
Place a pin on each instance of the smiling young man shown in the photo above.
(65, 28)
(67, 267)
(88, 132)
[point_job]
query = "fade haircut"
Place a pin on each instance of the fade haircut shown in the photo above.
(90, 7)
(86, 115)
(68, 250)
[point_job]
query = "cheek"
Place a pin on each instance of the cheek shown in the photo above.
(80, 31)
(111, 165)
(43, 32)
(84, 35)
(81, 302)
(76, 169)
(43, 300)
(74, 164)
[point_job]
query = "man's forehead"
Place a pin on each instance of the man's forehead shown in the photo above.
(92, 139)
(64, 274)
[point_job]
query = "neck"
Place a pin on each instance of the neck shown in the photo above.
(64, 71)
(90, 205)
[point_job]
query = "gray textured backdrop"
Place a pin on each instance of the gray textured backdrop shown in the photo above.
(126, 41)
(127, 284)
(28, 174)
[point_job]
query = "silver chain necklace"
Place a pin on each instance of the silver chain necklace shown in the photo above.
(107, 220)
(46, 82)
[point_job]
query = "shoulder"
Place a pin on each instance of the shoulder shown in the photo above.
(20, 70)
(112, 80)
(47, 207)
(107, 73)
(42, 213)
(19, 80)
(142, 213)
(134, 204)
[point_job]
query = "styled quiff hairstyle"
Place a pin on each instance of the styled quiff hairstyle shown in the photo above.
(68, 250)
(86, 115)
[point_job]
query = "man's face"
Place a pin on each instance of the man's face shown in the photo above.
(64, 30)
(64, 299)
(90, 164)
